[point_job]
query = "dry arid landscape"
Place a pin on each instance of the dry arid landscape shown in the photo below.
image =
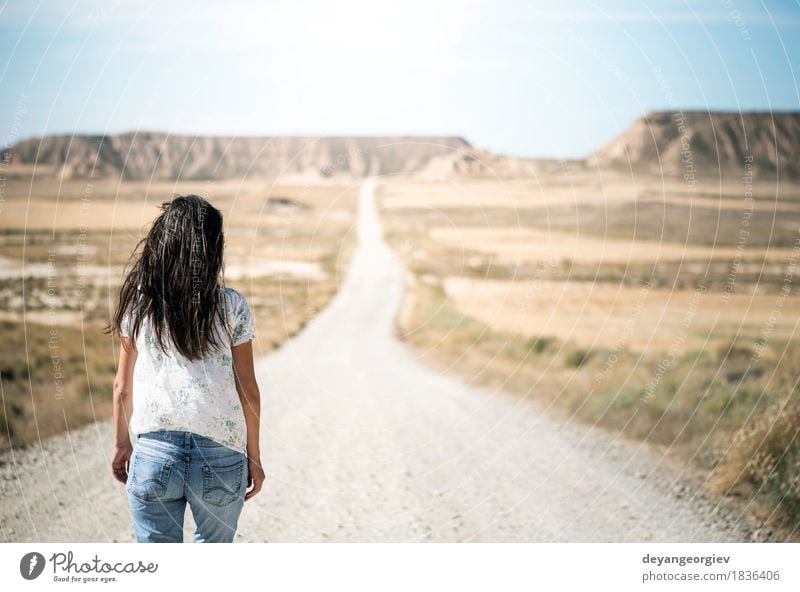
(64, 246)
(647, 291)
(651, 317)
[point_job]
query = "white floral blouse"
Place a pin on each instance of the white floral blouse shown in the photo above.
(172, 393)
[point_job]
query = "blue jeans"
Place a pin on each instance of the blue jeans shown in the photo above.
(170, 468)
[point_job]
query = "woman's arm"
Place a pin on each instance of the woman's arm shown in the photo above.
(250, 396)
(123, 407)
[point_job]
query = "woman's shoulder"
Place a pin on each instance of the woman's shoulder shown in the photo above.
(234, 297)
(233, 292)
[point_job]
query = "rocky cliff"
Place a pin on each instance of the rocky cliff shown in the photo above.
(145, 155)
(695, 145)
(703, 145)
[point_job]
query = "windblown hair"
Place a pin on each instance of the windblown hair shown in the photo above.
(176, 283)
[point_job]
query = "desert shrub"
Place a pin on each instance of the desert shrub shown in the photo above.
(765, 459)
(577, 358)
(538, 345)
(733, 351)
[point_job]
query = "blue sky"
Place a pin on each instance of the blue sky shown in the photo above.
(530, 78)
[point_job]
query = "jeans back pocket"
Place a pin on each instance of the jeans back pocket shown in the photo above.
(223, 485)
(148, 476)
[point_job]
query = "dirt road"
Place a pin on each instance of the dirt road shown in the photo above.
(361, 442)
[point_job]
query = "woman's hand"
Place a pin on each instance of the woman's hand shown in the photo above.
(255, 478)
(120, 458)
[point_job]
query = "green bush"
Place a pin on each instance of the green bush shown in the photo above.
(538, 345)
(577, 358)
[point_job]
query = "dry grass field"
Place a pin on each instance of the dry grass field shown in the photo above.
(671, 316)
(637, 304)
(595, 315)
(63, 248)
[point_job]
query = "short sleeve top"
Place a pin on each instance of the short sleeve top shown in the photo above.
(171, 392)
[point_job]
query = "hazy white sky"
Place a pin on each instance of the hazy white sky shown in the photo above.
(534, 78)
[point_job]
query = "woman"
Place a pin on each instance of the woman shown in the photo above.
(192, 399)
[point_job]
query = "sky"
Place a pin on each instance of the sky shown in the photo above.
(536, 78)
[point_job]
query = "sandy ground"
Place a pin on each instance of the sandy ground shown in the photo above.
(363, 443)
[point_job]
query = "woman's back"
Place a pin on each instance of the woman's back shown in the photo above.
(186, 382)
(175, 393)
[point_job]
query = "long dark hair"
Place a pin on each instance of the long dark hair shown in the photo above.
(175, 281)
